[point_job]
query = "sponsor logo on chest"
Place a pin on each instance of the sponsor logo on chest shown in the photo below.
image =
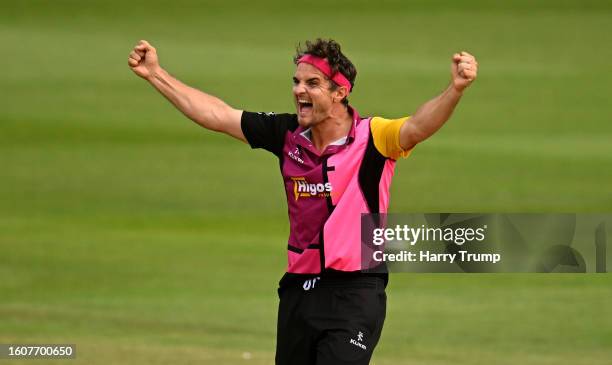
(303, 189)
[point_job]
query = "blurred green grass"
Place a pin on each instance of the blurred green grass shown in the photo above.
(141, 237)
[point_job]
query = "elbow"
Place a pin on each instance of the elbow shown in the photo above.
(208, 117)
(215, 117)
(207, 121)
(411, 135)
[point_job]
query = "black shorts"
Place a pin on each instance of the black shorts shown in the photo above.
(330, 321)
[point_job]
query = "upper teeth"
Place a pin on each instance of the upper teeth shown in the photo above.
(303, 101)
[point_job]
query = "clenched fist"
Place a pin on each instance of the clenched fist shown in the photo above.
(143, 60)
(464, 70)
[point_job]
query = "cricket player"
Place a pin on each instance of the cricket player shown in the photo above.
(335, 164)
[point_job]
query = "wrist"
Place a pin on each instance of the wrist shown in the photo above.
(455, 92)
(155, 73)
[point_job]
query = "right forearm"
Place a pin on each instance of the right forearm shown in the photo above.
(198, 106)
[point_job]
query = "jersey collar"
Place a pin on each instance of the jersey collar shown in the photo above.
(302, 136)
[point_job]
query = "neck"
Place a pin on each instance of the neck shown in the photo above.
(331, 129)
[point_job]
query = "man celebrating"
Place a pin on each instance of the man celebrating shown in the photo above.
(335, 165)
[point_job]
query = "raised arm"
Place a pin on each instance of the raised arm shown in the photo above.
(208, 111)
(434, 113)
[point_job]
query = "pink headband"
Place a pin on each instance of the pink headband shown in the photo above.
(322, 65)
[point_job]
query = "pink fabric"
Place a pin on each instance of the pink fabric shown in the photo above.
(342, 232)
(308, 262)
(322, 65)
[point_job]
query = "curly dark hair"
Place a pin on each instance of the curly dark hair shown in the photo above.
(330, 50)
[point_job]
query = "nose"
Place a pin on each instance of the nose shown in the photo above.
(298, 88)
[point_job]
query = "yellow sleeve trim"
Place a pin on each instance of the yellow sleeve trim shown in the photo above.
(386, 133)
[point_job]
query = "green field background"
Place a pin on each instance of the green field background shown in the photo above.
(145, 239)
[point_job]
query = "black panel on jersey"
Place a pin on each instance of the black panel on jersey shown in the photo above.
(370, 172)
(267, 130)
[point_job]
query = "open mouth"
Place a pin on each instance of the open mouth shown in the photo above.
(304, 106)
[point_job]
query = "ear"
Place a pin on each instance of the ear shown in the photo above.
(340, 93)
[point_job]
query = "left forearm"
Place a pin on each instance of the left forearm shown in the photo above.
(433, 114)
(429, 118)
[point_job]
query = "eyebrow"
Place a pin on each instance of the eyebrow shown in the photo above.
(295, 79)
